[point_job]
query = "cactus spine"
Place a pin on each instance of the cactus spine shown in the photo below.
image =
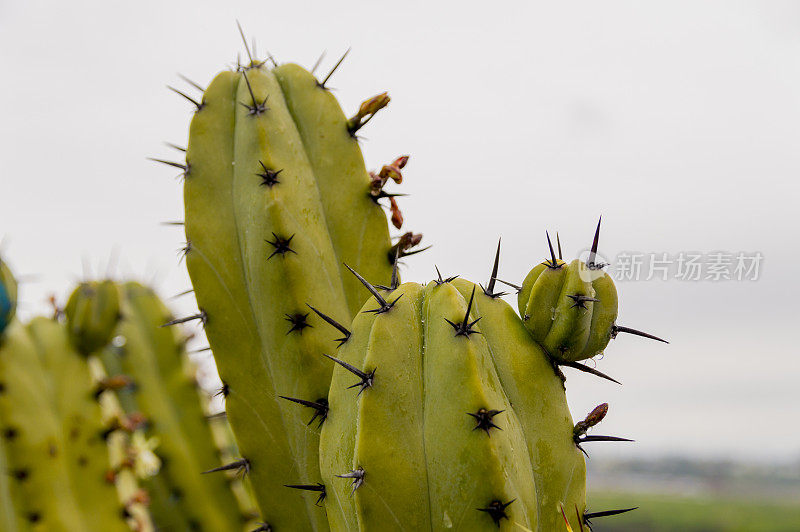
(277, 198)
(166, 393)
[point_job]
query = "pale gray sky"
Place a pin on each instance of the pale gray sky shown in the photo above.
(677, 121)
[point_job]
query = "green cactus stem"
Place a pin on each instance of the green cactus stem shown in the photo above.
(10, 516)
(277, 197)
(166, 394)
(571, 309)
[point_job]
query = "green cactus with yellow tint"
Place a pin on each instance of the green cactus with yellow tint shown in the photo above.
(92, 311)
(427, 439)
(54, 434)
(277, 198)
(166, 393)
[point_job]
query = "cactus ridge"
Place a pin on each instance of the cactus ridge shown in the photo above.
(55, 433)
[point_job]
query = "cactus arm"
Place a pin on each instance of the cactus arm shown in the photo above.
(279, 287)
(529, 379)
(154, 356)
(74, 401)
(467, 468)
(356, 223)
(214, 261)
(10, 517)
(163, 504)
(33, 437)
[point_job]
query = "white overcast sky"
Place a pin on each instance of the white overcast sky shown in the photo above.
(677, 121)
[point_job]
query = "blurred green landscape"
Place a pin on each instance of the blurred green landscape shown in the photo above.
(677, 494)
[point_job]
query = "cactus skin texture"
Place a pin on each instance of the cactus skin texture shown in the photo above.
(8, 296)
(434, 451)
(92, 310)
(276, 198)
(166, 393)
(54, 432)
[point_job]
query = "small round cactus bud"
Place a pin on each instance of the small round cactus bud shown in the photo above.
(366, 111)
(571, 315)
(375, 184)
(390, 171)
(93, 311)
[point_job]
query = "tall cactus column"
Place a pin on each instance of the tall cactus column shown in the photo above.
(168, 397)
(277, 197)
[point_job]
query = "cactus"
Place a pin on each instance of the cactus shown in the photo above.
(54, 433)
(166, 394)
(428, 435)
(10, 518)
(8, 296)
(277, 197)
(420, 362)
(571, 309)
